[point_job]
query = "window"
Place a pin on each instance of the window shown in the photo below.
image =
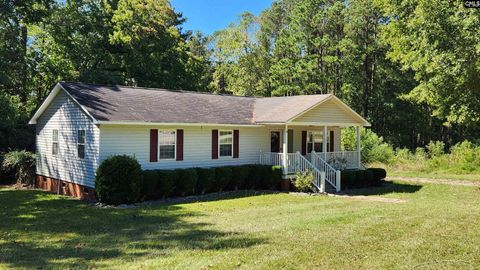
(315, 141)
(166, 142)
(81, 143)
(55, 142)
(226, 143)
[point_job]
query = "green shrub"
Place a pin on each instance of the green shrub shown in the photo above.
(373, 147)
(150, 183)
(436, 148)
(23, 163)
(206, 180)
(347, 178)
(380, 173)
(186, 182)
(166, 182)
(272, 176)
(303, 181)
(239, 176)
(255, 174)
(223, 175)
(119, 180)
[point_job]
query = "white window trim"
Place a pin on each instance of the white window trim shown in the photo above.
(174, 146)
(57, 141)
(313, 145)
(84, 143)
(225, 130)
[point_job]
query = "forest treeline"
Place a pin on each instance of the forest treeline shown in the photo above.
(411, 67)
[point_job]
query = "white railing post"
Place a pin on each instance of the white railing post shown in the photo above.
(322, 182)
(338, 185)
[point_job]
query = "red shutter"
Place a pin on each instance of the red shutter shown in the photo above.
(153, 145)
(179, 144)
(214, 143)
(235, 143)
(304, 142)
(332, 141)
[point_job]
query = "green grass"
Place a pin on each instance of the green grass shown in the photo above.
(437, 228)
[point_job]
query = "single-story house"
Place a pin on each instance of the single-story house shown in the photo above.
(79, 125)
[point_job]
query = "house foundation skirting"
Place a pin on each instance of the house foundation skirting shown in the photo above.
(66, 188)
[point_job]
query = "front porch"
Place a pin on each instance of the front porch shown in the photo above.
(316, 149)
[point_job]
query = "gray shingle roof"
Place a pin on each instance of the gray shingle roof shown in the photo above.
(135, 104)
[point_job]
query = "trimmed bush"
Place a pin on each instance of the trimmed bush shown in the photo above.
(119, 180)
(22, 163)
(166, 182)
(206, 180)
(222, 177)
(239, 176)
(303, 181)
(347, 179)
(272, 177)
(379, 175)
(150, 183)
(186, 182)
(254, 178)
(354, 178)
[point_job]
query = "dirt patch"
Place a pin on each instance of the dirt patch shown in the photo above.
(452, 182)
(369, 198)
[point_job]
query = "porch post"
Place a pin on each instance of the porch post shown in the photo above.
(359, 161)
(285, 149)
(324, 143)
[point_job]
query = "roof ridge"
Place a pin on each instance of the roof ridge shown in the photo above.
(159, 89)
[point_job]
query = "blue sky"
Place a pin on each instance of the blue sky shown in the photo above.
(211, 15)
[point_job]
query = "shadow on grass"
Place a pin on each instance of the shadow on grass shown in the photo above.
(39, 230)
(386, 188)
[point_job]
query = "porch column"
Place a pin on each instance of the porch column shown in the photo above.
(359, 161)
(324, 143)
(285, 149)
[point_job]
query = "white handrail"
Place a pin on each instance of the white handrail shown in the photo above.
(304, 165)
(295, 163)
(332, 176)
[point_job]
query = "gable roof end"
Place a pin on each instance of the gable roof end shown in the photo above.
(58, 87)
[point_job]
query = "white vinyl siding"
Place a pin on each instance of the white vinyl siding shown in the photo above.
(64, 115)
(327, 112)
(197, 146)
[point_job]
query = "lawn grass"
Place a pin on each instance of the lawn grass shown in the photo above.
(437, 228)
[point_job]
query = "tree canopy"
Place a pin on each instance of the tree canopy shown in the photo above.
(411, 67)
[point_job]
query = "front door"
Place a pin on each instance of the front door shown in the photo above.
(275, 141)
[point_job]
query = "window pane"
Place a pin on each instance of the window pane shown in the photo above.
(81, 150)
(309, 147)
(318, 147)
(166, 137)
(167, 151)
(54, 148)
(55, 135)
(317, 137)
(81, 136)
(225, 150)
(225, 137)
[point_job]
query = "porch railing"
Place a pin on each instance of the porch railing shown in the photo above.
(332, 176)
(347, 158)
(295, 163)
